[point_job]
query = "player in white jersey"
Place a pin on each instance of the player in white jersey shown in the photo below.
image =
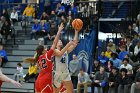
(61, 72)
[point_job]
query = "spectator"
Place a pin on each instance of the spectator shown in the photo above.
(5, 16)
(35, 30)
(136, 85)
(80, 9)
(100, 80)
(52, 32)
(113, 80)
(130, 32)
(83, 80)
(115, 60)
(6, 29)
(74, 11)
(74, 68)
(18, 76)
(135, 40)
(29, 13)
(63, 19)
(68, 24)
(109, 66)
(112, 45)
(122, 41)
(32, 72)
(126, 65)
(14, 16)
(131, 62)
(44, 30)
(103, 59)
(19, 11)
(129, 46)
(3, 56)
(44, 16)
(123, 52)
(108, 52)
(124, 82)
(135, 28)
(96, 67)
(60, 10)
(137, 51)
(53, 16)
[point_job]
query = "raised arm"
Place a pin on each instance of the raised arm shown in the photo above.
(57, 36)
(60, 53)
(75, 40)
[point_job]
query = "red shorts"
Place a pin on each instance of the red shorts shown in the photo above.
(44, 84)
(0, 85)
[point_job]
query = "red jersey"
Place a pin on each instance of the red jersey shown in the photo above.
(45, 63)
(44, 81)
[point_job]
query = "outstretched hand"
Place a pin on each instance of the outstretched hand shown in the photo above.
(17, 84)
(29, 60)
(61, 27)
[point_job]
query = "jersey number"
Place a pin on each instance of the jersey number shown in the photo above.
(44, 65)
(63, 59)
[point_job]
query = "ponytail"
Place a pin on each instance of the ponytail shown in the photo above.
(39, 51)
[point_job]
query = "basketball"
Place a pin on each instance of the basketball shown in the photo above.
(77, 24)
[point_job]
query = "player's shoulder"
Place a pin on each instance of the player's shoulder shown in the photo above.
(56, 50)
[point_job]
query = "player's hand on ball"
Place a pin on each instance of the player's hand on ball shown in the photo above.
(61, 27)
(17, 84)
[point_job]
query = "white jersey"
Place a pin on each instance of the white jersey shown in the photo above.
(61, 72)
(61, 63)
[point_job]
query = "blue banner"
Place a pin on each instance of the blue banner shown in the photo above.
(84, 51)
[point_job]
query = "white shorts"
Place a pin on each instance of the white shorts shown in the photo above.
(58, 77)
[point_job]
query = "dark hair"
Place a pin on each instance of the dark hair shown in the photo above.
(114, 68)
(127, 55)
(96, 60)
(5, 10)
(39, 51)
(81, 69)
(19, 64)
(126, 59)
(103, 67)
(111, 62)
(123, 70)
(114, 54)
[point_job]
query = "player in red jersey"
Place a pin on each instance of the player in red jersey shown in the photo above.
(43, 58)
(44, 81)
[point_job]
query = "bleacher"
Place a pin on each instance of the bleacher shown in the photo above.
(24, 47)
